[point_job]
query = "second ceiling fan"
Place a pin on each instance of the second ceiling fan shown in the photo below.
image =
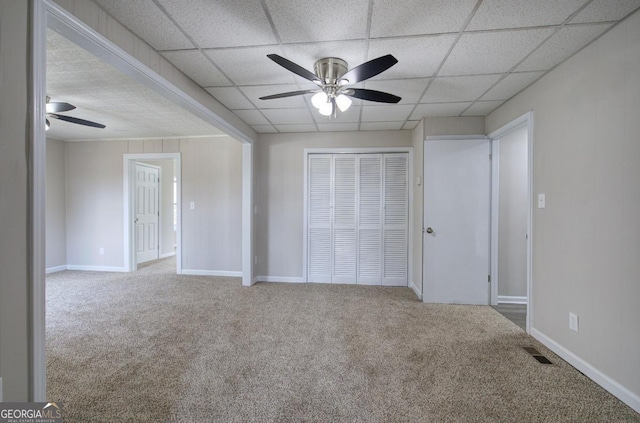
(332, 77)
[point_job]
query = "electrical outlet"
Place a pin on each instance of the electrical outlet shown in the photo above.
(573, 322)
(542, 201)
(101, 251)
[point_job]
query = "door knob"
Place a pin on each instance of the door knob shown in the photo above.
(429, 230)
(136, 221)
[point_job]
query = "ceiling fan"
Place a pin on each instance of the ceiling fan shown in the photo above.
(53, 108)
(332, 77)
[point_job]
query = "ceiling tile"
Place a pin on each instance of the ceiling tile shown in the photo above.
(231, 97)
(417, 56)
(288, 116)
(439, 109)
(296, 128)
(411, 124)
(255, 92)
(252, 117)
(197, 67)
(329, 20)
(352, 115)
(497, 14)
(222, 23)
(606, 10)
(511, 85)
(251, 66)
(390, 18)
(410, 90)
(380, 126)
(264, 129)
(389, 113)
(147, 21)
(326, 127)
(458, 88)
(482, 108)
(306, 55)
(492, 52)
(562, 45)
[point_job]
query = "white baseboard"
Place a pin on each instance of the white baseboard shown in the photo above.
(56, 269)
(505, 299)
(284, 279)
(96, 268)
(415, 289)
(198, 272)
(614, 387)
(165, 255)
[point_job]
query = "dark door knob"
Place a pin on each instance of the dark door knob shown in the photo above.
(429, 230)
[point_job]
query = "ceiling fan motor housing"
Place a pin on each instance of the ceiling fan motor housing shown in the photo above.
(330, 69)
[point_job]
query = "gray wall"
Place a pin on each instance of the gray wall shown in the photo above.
(14, 258)
(211, 177)
(512, 212)
(586, 242)
(56, 207)
(167, 234)
(279, 191)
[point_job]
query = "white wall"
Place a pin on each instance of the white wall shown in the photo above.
(167, 234)
(56, 208)
(586, 242)
(14, 258)
(211, 177)
(279, 191)
(512, 212)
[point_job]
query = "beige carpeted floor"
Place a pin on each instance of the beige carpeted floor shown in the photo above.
(153, 346)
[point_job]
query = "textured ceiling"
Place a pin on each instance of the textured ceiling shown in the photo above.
(105, 95)
(456, 57)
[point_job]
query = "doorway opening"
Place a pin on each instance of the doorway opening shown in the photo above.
(511, 221)
(147, 237)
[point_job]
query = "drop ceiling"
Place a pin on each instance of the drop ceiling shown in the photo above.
(456, 57)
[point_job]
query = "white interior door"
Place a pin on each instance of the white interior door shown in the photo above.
(457, 189)
(147, 213)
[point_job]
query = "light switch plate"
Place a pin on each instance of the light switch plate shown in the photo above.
(542, 202)
(573, 322)
(192, 205)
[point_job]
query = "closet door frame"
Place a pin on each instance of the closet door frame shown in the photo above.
(366, 150)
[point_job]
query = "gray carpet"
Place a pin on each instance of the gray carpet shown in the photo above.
(154, 346)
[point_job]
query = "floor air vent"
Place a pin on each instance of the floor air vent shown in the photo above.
(536, 354)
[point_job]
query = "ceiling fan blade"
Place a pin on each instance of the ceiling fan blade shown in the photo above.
(372, 95)
(297, 69)
(288, 94)
(76, 120)
(56, 107)
(369, 69)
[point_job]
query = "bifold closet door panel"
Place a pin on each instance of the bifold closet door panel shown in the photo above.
(344, 219)
(370, 219)
(396, 219)
(319, 251)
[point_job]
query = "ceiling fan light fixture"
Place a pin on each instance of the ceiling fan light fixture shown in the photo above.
(319, 100)
(343, 102)
(326, 109)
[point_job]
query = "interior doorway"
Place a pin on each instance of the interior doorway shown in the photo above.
(138, 241)
(511, 221)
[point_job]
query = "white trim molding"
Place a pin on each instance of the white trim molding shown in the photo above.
(97, 268)
(415, 289)
(281, 279)
(167, 255)
(224, 273)
(611, 385)
(506, 299)
(56, 269)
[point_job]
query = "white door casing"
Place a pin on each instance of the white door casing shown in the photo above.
(147, 212)
(457, 183)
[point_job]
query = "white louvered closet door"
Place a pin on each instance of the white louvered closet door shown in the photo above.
(357, 219)
(370, 219)
(395, 220)
(319, 215)
(344, 219)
